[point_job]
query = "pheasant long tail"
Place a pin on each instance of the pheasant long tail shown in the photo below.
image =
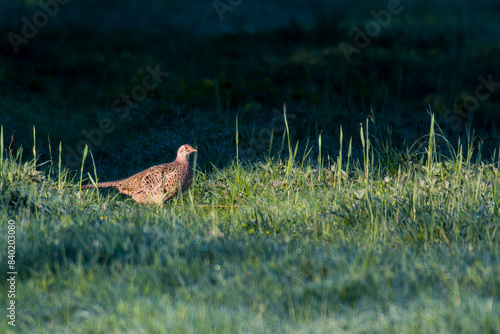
(111, 184)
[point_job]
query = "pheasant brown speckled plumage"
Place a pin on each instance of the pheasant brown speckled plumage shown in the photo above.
(156, 184)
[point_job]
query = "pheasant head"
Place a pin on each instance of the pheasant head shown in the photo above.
(184, 151)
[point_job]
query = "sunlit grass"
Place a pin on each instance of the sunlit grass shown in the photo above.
(291, 243)
(349, 210)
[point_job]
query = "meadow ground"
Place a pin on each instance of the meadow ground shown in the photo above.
(370, 203)
(283, 245)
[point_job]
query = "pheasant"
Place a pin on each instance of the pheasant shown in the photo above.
(156, 184)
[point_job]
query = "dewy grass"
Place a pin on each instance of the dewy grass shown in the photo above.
(85, 151)
(300, 246)
(237, 142)
(34, 147)
(291, 155)
(386, 237)
(59, 168)
(1, 145)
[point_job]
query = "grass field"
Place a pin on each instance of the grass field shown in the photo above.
(287, 245)
(329, 196)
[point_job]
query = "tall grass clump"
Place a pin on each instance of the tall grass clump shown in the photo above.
(285, 246)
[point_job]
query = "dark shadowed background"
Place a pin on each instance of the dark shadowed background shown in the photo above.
(372, 204)
(82, 74)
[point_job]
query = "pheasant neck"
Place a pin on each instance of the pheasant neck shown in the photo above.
(182, 159)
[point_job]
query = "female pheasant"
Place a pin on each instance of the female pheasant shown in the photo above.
(156, 184)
